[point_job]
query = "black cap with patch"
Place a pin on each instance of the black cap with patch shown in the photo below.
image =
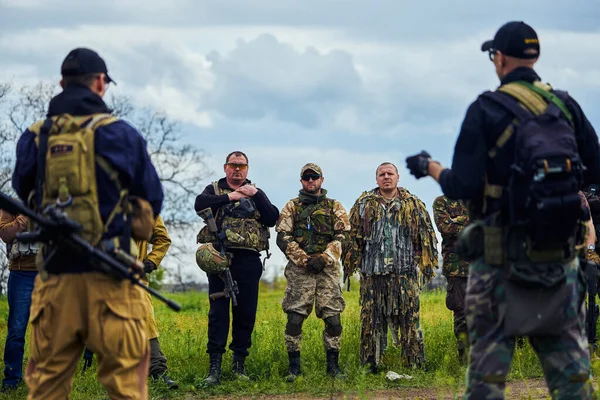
(81, 61)
(515, 39)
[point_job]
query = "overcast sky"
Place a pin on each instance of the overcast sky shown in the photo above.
(344, 84)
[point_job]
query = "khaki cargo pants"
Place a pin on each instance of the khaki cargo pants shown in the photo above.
(151, 327)
(71, 310)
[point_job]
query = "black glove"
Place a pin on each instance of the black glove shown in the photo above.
(316, 263)
(417, 164)
(149, 266)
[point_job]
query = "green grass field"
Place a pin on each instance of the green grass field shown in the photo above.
(183, 339)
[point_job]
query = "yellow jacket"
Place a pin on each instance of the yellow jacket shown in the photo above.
(160, 241)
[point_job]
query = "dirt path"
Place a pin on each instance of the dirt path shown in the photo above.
(522, 389)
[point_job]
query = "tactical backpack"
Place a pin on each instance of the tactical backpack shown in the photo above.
(66, 175)
(546, 173)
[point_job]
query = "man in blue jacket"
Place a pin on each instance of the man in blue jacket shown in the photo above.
(89, 162)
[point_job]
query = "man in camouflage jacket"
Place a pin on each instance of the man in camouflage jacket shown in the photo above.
(310, 232)
(393, 246)
(451, 217)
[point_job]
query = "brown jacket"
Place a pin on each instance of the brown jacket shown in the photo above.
(9, 227)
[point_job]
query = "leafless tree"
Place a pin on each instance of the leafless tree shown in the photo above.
(181, 166)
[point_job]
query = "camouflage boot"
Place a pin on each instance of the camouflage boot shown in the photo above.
(294, 368)
(333, 369)
(214, 372)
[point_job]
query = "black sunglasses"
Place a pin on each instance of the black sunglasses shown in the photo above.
(308, 177)
(491, 53)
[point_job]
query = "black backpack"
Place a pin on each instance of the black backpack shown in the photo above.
(546, 172)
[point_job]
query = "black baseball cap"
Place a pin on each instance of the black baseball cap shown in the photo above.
(81, 61)
(515, 39)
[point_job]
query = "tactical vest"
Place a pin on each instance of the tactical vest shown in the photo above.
(18, 249)
(313, 225)
(70, 172)
(239, 233)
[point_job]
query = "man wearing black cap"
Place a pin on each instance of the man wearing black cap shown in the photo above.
(90, 163)
(519, 162)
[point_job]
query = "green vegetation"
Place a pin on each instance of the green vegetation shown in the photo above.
(183, 339)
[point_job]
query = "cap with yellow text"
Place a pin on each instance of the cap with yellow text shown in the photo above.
(312, 167)
(515, 39)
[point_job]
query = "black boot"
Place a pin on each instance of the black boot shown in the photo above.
(237, 366)
(171, 384)
(333, 369)
(294, 368)
(371, 365)
(214, 372)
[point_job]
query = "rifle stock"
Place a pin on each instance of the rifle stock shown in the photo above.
(59, 231)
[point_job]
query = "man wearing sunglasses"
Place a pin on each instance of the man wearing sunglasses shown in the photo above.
(243, 214)
(393, 245)
(518, 162)
(310, 232)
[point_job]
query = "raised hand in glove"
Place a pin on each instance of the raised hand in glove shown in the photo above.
(417, 164)
(316, 263)
(149, 266)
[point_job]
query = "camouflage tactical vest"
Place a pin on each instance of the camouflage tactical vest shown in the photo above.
(313, 225)
(240, 232)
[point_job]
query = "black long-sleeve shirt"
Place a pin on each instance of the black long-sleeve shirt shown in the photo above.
(484, 122)
(269, 214)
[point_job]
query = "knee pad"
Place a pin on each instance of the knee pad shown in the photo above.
(333, 325)
(294, 324)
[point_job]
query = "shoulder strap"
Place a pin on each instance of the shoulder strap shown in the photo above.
(551, 97)
(216, 188)
(525, 105)
(41, 163)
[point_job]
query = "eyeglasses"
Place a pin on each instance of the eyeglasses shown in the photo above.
(241, 167)
(308, 177)
(491, 53)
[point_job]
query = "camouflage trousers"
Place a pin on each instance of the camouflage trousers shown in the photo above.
(455, 302)
(564, 357)
(305, 289)
(391, 302)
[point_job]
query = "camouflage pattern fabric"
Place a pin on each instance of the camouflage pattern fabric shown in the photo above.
(305, 289)
(412, 236)
(330, 225)
(450, 218)
(391, 301)
(455, 302)
(565, 357)
(240, 232)
(393, 245)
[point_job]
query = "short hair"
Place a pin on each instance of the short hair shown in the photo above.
(386, 163)
(82, 79)
(236, 153)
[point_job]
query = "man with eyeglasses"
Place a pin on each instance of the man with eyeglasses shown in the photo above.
(518, 162)
(310, 232)
(243, 214)
(393, 247)
(89, 163)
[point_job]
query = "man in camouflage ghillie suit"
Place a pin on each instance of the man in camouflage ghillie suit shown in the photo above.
(392, 244)
(451, 217)
(310, 232)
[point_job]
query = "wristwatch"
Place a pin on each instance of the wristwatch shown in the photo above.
(591, 247)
